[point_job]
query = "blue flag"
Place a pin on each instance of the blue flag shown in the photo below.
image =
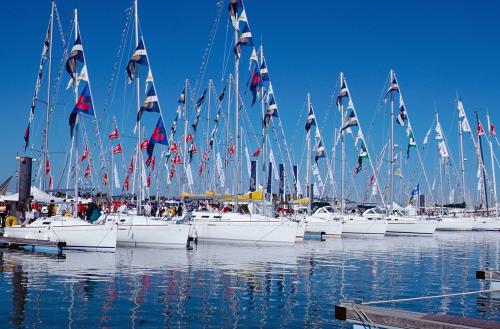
(150, 103)
(75, 56)
(138, 57)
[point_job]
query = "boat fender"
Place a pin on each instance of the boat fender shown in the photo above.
(10, 221)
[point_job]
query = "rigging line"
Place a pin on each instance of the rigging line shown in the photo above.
(225, 59)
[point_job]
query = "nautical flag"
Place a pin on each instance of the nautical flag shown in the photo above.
(87, 170)
(311, 119)
(491, 127)
(264, 73)
(148, 180)
(402, 116)
(182, 96)
(426, 139)
(47, 167)
(205, 155)
(51, 182)
(189, 138)
(153, 163)
(150, 103)
(148, 161)
(150, 149)
(363, 153)
(173, 148)
(245, 39)
(480, 129)
(351, 121)
(105, 178)
(394, 84)
(200, 101)
(177, 159)
(138, 57)
(131, 166)
(118, 149)
(257, 152)
(248, 160)
(411, 143)
(117, 178)
(26, 137)
(149, 78)
(443, 150)
(398, 173)
(114, 134)
(439, 132)
(461, 110)
(232, 149)
(85, 153)
(159, 134)
(83, 76)
(319, 152)
(75, 56)
(416, 191)
(255, 83)
(343, 92)
(144, 145)
(192, 151)
(200, 169)
(466, 126)
(359, 137)
(234, 7)
(125, 183)
(253, 59)
(221, 96)
(84, 103)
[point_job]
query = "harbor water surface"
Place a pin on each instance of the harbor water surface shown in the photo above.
(221, 285)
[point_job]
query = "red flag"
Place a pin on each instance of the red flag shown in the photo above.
(189, 138)
(205, 155)
(177, 159)
(372, 179)
(125, 184)
(85, 153)
(257, 152)
(480, 129)
(148, 180)
(144, 145)
(118, 149)
(173, 148)
(193, 148)
(131, 166)
(51, 182)
(201, 168)
(47, 167)
(232, 149)
(492, 130)
(87, 170)
(105, 177)
(148, 161)
(114, 134)
(153, 163)
(172, 172)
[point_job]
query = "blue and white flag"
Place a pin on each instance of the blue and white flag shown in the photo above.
(150, 103)
(351, 121)
(138, 57)
(264, 73)
(319, 152)
(343, 92)
(75, 56)
(416, 191)
(311, 119)
(393, 86)
(245, 39)
(402, 116)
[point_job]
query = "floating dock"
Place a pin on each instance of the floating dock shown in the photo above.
(381, 317)
(11, 242)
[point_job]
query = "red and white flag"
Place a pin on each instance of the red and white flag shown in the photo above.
(153, 162)
(118, 149)
(189, 138)
(491, 127)
(232, 149)
(131, 166)
(47, 167)
(85, 153)
(201, 168)
(105, 178)
(173, 148)
(257, 152)
(480, 129)
(125, 183)
(205, 155)
(148, 180)
(144, 145)
(177, 159)
(51, 183)
(87, 170)
(114, 134)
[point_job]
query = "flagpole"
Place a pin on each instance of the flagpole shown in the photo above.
(75, 135)
(139, 132)
(441, 160)
(184, 155)
(49, 100)
(236, 124)
(391, 175)
(308, 176)
(208, 127)
(492, 166)
(226, 152)
(483, 168)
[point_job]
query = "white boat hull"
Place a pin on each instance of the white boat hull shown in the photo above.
(142, 231)
(486, 224)
(325, 226)
(377, 227)
(244, 228)
(455, 224)
(75, 233)
(411, 227)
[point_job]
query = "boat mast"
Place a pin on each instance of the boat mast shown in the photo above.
(493, 167)
(75, 135)
(226, 151)
(236, 125)
(462, 165)
(184, 155)
(139, 132)
(483, 167)
(441, 160)
(391, 144)
(308, 176)
(49, 100)
(210, 82)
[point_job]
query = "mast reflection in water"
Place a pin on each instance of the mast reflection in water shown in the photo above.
(244, 285)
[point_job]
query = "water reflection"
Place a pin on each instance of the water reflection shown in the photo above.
(231, 286)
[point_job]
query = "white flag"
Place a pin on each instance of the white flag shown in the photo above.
(249, 165)
(359, 136)
(253, 57)
(189, 174)
(443, 150)
(149, 79)
(461, 110)
(117, 178)
(465, 126)
(426, 139)
(220, 169)
(84, 75)
(451, 197)
(317, 175)
(275, 165)
(144, 178)
(439, 131)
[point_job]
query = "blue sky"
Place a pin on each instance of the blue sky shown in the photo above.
(437, 48)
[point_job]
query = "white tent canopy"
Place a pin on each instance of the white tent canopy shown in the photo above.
(37, 194)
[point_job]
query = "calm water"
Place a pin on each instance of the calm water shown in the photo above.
(243, 286)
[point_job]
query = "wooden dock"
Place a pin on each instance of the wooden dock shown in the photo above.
(381, 317)
(11, 242)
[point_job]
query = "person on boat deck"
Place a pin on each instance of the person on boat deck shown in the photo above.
(147, 209)
(80, 209)
(180, 209)
(51, 209)
(63, 207)
(93, 212)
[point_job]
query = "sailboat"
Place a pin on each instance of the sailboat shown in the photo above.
(139, 229)
(399, 223)
(73, 231)
(236, 226)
